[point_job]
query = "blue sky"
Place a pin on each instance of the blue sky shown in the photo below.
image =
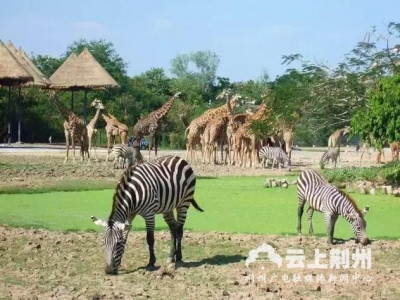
(248, 36)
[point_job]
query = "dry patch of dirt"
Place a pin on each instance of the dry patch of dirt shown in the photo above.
(39, 264)
(40, 165)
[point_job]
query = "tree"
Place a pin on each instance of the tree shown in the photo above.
(46, 64)
(379, 121)
(196, 73)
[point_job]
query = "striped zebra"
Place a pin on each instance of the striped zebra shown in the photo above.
(276, 154)
(154, 187)
(331, 154)
(125, 153)
(332, 202)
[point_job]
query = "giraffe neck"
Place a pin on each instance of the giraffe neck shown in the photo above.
(163, 110)
(95, 118)
(106, 115)
(65, 112)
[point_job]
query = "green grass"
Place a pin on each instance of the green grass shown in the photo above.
(231, 204)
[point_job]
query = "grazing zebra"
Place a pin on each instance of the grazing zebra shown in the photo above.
(126, 153)
(276, 154)
(331, 154)
(154, 187)
(332, 202)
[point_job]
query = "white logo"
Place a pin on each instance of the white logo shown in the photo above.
(264, 248)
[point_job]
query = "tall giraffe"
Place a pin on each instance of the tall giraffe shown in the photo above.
(150, 125)
(196, 127)
(74, 129)
(335, 138)
(91, 127)
(113, 128)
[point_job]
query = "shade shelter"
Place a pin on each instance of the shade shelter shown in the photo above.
(39, 80)
(79, 73)
(12, 73)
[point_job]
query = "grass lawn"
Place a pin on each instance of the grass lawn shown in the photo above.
(231, 204)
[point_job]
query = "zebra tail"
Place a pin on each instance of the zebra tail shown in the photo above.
(195, 205)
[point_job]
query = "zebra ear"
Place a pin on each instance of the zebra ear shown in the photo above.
(99, 222)
(365, 210)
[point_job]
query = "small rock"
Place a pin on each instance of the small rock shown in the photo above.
(318, 288)
(225, 293)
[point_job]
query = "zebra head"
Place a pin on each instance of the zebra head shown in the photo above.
(114, 241)
(359, 226)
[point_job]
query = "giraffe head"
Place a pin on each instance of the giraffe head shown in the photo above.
(97, 104)
(224, 93)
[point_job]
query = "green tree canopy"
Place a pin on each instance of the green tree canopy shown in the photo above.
(379, 121)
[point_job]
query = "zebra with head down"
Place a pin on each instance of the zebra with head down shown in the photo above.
(332, 202)
(147, 189)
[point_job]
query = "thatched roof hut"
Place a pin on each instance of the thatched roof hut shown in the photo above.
(82, 73)
(11, 70)
(39, 80)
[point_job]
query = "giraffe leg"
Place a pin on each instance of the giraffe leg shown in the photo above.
(108, 145)
(73, 146)
(66, 145)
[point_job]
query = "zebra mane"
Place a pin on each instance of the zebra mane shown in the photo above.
(352, 201)
(120, 182)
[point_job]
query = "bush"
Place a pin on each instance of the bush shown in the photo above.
(388, 173)
(177, 140)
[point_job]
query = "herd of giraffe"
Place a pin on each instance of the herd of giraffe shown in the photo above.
(220, 127)
(76, 131)
(216, 128)
(335, 139)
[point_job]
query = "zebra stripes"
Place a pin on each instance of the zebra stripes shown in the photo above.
(276, 154)
(147, 189)
(331, 154)
(323, 197)
(126, 153)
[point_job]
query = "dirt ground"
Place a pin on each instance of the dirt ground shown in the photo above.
(39, 264)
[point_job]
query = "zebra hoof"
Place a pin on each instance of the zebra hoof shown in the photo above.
(170, 260)
(179, 263)
(150, 268)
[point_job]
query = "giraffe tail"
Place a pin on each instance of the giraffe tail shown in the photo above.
(195, 205)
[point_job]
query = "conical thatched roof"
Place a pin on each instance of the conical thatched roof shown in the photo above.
(82, 72)
(37, 79)
(11, 70)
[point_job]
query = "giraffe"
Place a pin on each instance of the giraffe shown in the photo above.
(196, 127)
(150, 125)
(74, 129)
(335, 138)
(233, 124)
(366, 147)
(394, 148)
(113, 127)
(91, 127)
(245, 140)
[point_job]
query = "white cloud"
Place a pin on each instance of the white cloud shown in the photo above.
(88, 25)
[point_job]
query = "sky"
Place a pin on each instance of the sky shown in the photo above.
(248, 36)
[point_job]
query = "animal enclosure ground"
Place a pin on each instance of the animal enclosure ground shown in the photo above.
(42, 264)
